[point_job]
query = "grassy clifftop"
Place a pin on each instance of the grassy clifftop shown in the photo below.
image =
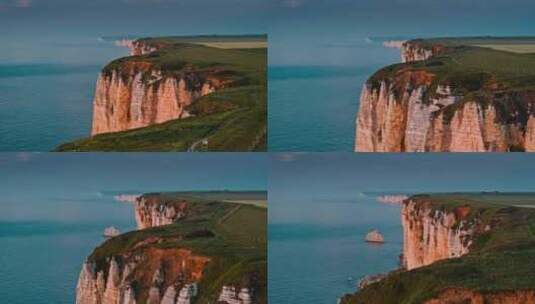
(500, 258)
(232, 235)
(471, 66)
(221, 41)
(233, 118)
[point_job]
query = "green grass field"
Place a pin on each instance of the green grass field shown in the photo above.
(500, 259)
(237, 249)
(230, 119)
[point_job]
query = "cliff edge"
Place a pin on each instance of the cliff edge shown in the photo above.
(462, 248)
(187, 250)
(451, 95)
(180, 94)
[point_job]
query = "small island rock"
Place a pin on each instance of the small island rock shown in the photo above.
(374, 236)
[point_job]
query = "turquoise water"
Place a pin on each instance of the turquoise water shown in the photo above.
(43, 245)
(321, 256)
(47, 102)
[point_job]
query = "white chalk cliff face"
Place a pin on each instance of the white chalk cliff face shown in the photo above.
(119, 283)
(143, 98)
(140, 48)
(233, 295)
(153, 214)
(410, 53)
(431, 235)
(411, 114)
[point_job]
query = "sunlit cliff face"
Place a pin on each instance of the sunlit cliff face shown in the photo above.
(136, 94)
(431, 235)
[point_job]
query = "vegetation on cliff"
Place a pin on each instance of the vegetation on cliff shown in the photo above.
(500, 258)
(232, 118)
(231, 235)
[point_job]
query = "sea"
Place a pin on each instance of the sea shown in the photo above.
(323, 255)
(314, 107)
(43, 244)
(47, 89)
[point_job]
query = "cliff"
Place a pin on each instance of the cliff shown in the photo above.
(153, 213)
(140, 47)
(178, 94)
(141, 278)
(461, 248)
(137, 94)
(430, 235)
(416, 50)
(444, 99)
(179, 262)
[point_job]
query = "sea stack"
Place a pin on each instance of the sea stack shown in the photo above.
(374, 236)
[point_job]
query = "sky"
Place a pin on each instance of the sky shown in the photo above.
(321, 187)
(53, 176)
(301, 32)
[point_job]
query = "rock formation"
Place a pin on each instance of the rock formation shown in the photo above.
(141, 98)
(116, 282)
(374, 237)
(412, 110)
(415, 50)
(140, 47)
(152, 212)
(430, 235)
(233, 295)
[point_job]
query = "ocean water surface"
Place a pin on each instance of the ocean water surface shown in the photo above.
(47, 100)
(322, 256)
(314, 108)
(45, 242)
